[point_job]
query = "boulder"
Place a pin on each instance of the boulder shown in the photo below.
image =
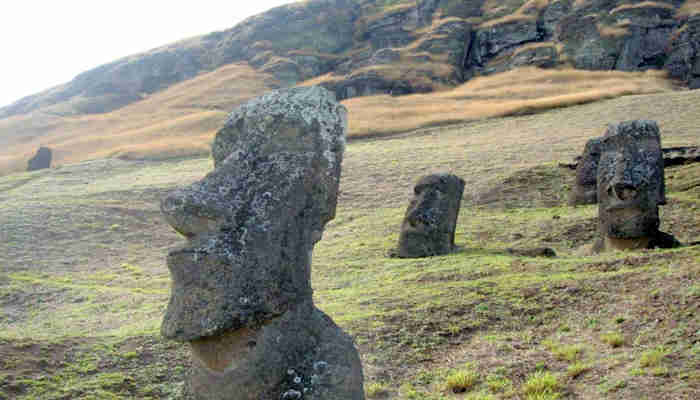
(41, 160)
(492, 39)
(428, 228)
(631, 187)
(241, 294)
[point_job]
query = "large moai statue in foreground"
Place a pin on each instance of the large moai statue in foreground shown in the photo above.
(630, 188)
(428, 228)
(241, 294)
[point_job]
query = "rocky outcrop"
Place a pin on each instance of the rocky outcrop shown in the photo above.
(241, 294)
(305, 40)
(41, 160)
(494, 39)
(683, 60)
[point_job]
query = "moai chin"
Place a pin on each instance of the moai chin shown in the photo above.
(631, 187)
(241, 294)
(428, 228)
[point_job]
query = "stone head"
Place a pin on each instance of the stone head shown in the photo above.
(251, 223)
(431, 217)
(630, 180)
(585, 184)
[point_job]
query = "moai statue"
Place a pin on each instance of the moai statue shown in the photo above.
(585, 188)
(631, 188)
(241, 294)
(41, 160)
(428, 228)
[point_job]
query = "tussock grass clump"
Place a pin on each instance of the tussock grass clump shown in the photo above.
(614, 339)
(376, 390)
(564, 352)
(521, 91)
(462, 380)
(577, 369)
(652, 358)
(644, 4)
(541, 385)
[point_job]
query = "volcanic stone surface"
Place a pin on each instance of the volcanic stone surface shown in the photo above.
(428, 228)
(585, 188)
(41, 160)
(241, 293)
(631, 187)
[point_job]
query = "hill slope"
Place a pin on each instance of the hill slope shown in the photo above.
(84, 284)
(353, 47)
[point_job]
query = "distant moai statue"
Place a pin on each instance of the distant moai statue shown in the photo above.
(428, 228)
(630, 182)
(241, 294)
(41, 160)
(585, 187)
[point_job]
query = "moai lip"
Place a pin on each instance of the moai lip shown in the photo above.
(429, 224)
(241, 294)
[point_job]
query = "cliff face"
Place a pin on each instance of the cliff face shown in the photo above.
(364, 47)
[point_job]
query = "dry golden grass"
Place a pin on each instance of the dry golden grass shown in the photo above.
(525, 12)
(178, 121)
(689, 8)
(621, 28)
(534, 45)
(388, 11)
(644, 4)
(521, 91)
(533, 6)
(507, 20)
(417, 73)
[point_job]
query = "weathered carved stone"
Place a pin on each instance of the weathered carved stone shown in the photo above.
(241, 292)
(631, 188)
(585, 188)
(429, 225)
(41, 160)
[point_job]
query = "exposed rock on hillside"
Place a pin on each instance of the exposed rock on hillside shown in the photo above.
(365, 47)
(41, 160)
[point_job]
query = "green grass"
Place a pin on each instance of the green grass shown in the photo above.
(87, 295)
(541, 386)
(462, 380)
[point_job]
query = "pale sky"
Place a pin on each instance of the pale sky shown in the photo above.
(48, 42)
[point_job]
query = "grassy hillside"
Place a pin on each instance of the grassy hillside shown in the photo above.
(83, 282)
(181, 121)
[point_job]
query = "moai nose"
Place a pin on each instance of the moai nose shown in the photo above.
(623, 191)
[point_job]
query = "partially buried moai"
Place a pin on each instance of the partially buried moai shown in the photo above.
(630, 188)
(428, 228)
(241, 294)
(585, 188)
